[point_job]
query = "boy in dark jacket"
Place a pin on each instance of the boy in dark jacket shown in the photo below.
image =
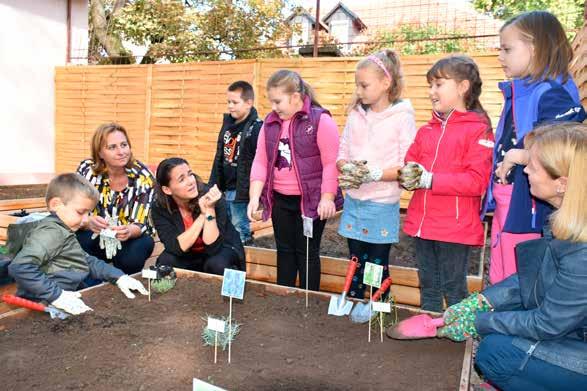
(237, 143)
(50, 264)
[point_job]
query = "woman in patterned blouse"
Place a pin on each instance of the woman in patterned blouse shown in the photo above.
(126, 188)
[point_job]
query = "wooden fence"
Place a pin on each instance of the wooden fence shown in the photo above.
(176, 109)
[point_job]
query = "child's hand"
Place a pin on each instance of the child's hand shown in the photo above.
(326, 208)
(252, 209)
(127, 284)
(414, 176)
(71, 303)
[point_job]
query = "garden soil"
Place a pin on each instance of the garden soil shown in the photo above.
(136, 345)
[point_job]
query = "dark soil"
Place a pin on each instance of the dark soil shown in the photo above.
(401, 254)
(135, 345)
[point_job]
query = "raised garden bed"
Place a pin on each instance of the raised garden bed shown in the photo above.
(136, 345)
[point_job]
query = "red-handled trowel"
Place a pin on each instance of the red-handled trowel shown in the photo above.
(340, 306)
(415, 327)
(361, 311)
(31, 305)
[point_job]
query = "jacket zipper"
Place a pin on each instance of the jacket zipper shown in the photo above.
(457, 209)
(293, 159)
(270, 175)
(444, 123)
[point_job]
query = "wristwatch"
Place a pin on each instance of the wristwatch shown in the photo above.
(210, 217)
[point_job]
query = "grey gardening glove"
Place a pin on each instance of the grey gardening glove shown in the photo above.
(414, 176)
(356, 172)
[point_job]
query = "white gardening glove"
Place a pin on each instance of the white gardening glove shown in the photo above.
(108, 240)
(414, 176)
(71, 303)
(127, 284)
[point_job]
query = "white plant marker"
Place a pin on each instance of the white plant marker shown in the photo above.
(233, 285)
(149, 275)
(216, 325)
(308, 227)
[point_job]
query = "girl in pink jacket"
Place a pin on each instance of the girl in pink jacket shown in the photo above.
(379, 130)
(448, 167)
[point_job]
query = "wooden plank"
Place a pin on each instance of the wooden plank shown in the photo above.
(23, 203)
(467, 364)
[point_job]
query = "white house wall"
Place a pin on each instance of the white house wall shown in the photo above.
(33, 41)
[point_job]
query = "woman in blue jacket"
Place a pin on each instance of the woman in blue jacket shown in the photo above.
(534, 323)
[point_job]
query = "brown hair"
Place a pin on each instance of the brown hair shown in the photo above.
(562, 150)
(391, 62)
(164, 177)
(98, 140)
(552, 51)
(292, 82)
(67, 186)
(459, 68)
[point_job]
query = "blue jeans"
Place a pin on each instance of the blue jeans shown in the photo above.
(237, 213)
(442, 269)
(510, 368)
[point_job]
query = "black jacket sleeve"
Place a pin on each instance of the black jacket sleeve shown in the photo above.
(221, 222)
(167, 229)
(216, 174)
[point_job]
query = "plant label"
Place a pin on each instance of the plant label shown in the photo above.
(308, 224)
(381, 307)
(150, 274)
(216, 325)
(233, 283)
(200, 385)
(373, 274)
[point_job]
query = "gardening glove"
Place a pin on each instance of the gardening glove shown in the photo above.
(126, 283)
(71, 303)
(109, 242)
(459, 319)
(414, 176)
(357, 172)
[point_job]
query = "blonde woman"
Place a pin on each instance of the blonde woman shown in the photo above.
(533, 324)
(126, 188)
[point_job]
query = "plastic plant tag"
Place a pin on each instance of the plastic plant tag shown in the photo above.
(379, 306)
(233, 283)
(373, 274)
(216, 325)
(308, 226)
(200, 385)
(148, 273)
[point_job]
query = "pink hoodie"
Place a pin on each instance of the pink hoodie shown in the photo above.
(382, 139)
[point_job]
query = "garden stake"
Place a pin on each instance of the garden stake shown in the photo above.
(370, 305)
(216, 346)
(149, 285)
(307, 263)
(381, 325)
(229, 327)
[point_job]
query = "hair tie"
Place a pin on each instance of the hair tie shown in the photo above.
(380, 64)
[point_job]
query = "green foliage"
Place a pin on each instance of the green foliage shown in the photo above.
(569, 12)
(209, 336)
(3, 249)
(411, 39)
(163, 285)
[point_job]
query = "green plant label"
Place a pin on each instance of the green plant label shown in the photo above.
(373, 274)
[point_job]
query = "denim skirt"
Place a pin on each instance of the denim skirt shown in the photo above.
(368, 221)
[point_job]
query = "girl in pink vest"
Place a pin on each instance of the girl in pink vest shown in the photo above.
(294, 176)
(448, 167)
(379, 130)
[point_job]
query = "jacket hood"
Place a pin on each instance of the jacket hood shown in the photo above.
(402, 106)
(458, 117)
(17, 233)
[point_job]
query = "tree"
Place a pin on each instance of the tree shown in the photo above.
(569, 12)
(180, 31)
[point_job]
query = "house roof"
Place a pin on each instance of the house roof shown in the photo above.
(300, 11)
(355, 18)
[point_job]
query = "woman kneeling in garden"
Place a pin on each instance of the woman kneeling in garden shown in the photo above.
(118, 229)
(534, 323)
(191, 220)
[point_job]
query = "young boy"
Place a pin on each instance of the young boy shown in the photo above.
(50, 264)
(237, 143)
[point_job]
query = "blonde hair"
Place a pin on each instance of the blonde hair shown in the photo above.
(459, 68)
(562, 150)
(552, 51)
(292, 82)
(98, 140)
(390, 60)
(67, 186)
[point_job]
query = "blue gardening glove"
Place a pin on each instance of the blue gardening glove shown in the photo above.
(459, 319)
(414, 176)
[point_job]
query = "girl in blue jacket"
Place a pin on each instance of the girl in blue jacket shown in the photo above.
(535, 55)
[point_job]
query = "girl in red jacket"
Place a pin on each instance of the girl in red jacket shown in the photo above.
(448, 166)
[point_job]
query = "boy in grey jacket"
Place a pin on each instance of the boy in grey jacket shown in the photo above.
(50, 264)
